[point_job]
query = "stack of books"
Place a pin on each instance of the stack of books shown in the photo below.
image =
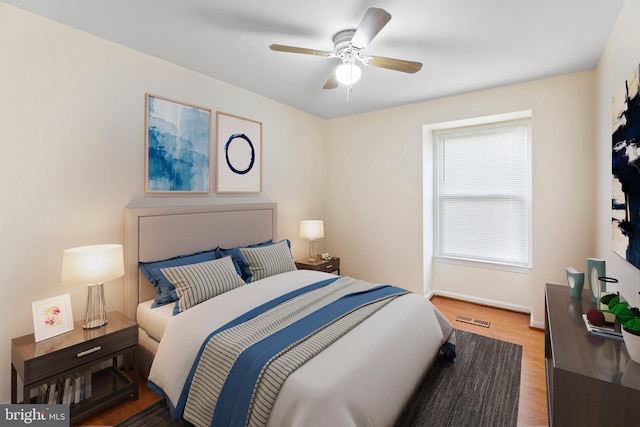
(605, 331)
(69, 390)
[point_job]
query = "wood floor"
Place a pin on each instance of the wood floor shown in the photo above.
(504, 325)
(118, 412)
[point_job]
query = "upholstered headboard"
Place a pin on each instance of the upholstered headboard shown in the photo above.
(159, 233)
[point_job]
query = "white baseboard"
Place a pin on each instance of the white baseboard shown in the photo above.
(490, 303)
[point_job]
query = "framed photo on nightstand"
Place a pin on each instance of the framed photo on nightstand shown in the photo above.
(52, 316)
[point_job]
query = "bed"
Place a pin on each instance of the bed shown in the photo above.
(357, 368)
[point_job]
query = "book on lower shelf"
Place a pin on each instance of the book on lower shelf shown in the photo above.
(66, 391)
(604, 331)
(87, 378)
(53, 393)
(78, 393)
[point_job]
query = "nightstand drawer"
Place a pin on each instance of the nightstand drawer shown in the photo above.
(69, 358)
(332, 265)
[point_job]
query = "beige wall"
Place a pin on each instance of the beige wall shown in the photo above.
(375, 188)
(620, 58)
(71, 156)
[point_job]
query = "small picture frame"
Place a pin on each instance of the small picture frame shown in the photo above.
(52, 316)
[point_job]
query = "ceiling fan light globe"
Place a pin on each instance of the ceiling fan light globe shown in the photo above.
(348, 73)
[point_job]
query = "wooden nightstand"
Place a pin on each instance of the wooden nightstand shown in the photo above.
(319, 265)
(92, 353)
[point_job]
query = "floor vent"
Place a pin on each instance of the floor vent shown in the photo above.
(471, 320)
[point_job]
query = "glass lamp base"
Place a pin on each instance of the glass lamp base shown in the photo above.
(312, 250)
(96, 313)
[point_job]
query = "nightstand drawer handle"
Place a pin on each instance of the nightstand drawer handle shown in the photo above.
(91, 350)
(329, 266)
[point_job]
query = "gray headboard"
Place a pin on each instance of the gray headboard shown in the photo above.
(158, 233)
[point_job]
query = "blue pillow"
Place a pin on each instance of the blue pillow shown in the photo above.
(165, 291)
(242, 266)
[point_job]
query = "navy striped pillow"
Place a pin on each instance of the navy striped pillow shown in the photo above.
(199, 282)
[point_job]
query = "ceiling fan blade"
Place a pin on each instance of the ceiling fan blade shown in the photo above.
(293, 49)
(394, 64)
(332, 82)
(372, 22)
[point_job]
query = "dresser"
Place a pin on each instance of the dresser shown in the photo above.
(591, 381)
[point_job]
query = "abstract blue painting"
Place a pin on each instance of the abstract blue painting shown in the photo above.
(178, 147)
(625, 169)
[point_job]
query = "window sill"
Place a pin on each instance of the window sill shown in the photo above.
(485, 265)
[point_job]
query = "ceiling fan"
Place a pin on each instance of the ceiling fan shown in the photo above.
(349, 45)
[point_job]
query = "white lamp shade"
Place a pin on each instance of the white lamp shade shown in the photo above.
(311, 229)
(348, 73)
(86, 265)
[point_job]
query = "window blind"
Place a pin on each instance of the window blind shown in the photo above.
(483, 194)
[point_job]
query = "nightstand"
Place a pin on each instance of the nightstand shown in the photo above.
(319, 264)
(86, 358)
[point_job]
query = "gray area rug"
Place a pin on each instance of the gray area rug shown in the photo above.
(480, 389)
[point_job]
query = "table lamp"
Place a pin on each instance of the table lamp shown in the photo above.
(312, 230)
(92, 266)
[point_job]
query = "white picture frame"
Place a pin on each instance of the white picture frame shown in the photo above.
(239, 154)
(52, 316)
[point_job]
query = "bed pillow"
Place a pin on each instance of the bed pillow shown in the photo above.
(165, 292)
(196, 283)
(241, 264)
(269, 260)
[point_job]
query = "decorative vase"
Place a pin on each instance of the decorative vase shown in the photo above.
(576, 282)
(632, 342)
(595, 268)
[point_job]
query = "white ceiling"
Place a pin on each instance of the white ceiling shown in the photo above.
(465, 45)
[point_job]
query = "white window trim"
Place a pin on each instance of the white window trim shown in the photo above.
(478, 123)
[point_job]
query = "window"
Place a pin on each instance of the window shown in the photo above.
(483, 193)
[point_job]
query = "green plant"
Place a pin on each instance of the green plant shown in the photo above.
(629, 317)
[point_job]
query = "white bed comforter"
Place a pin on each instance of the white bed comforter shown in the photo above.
(363, 379)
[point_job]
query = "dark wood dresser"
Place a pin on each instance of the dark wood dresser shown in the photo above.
(591, 381)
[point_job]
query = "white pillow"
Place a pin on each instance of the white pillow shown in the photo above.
(265, 261)
(199, 282)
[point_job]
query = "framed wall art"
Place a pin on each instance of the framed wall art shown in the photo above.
(239, 154)
(625, 170)
(52, 316)
(177, 147)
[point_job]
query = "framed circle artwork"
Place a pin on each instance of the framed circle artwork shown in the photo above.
(239, 154)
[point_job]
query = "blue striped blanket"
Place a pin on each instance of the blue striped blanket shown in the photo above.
(242, 365)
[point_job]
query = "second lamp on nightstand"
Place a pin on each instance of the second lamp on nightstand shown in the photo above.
(312, 230)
